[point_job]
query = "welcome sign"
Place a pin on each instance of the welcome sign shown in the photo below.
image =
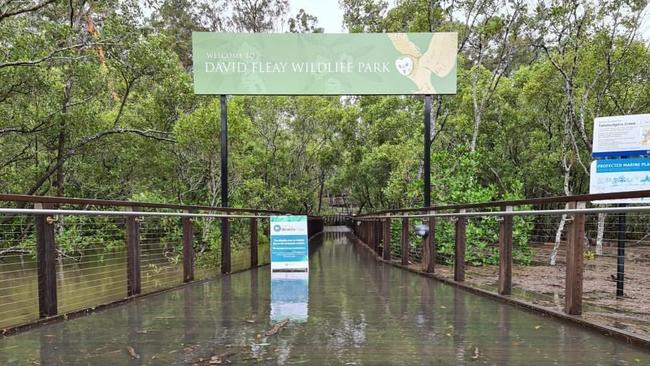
(289, 243)
(324, 64)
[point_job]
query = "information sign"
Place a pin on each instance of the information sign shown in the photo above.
(621, 135)
(620, 175)
(289, 243)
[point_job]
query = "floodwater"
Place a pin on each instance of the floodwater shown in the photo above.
(349, 310)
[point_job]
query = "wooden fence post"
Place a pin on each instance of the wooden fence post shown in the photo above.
(225, 245)
(429, 246)
(574, 261)
(133, 277)
(459, 257)
(188, 249)
(404, 242)
(254, 242)
(386, 250)
(46, 260)
(505, 253)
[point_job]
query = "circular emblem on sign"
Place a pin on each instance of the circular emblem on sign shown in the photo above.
(276, 228)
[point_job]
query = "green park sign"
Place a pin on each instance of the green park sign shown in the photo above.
(322, 64)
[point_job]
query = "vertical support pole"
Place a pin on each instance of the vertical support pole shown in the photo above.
(429, 246)
(386, 251)
(505, 253)
(254, 242)
(188, 249)
(225, 245)
(620, 255)
(405, 241)
(459, 258)
(224, 151)
(225, 224)
(574, 261)
(133, 278)
(46, 259)
(427, 150)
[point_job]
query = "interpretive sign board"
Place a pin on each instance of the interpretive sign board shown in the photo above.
(621, 135)
(289, 243)
(324, 64)
(620, 175)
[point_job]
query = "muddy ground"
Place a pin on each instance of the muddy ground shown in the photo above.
(543, 284)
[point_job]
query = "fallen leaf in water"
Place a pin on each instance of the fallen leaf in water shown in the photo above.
(220, 359)
(250, 321)
(476, 354)
(442, 307)
(132, 352)
(538, 326)
(141, 331)
(276, 327)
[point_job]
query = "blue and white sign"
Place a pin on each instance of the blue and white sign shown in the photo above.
(621, 136)
(289, 243)
(620, 175)
(289, 296)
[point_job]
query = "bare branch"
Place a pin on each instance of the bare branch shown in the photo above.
(6, 11)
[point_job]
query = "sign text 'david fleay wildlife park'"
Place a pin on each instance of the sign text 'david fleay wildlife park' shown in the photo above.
(324, 64)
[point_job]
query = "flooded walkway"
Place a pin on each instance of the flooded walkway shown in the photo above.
(350, 310)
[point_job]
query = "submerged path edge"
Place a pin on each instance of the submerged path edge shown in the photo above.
(619, 334)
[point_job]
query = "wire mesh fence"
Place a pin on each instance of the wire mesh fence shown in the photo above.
(18, 277)
(606, 279)
(59, 262)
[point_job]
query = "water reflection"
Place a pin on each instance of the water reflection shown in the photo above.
(289, 296)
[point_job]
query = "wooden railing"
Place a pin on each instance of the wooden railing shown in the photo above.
(46, 211)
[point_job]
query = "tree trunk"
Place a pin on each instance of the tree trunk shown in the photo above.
(558, 239)
(601, 231)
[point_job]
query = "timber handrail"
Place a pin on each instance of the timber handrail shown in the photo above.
(529, 201)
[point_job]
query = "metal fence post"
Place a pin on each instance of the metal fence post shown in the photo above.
(188, 249)
(254, 242)
(459, 257)
(505, 253)
(46, 259)
(134, 280)
(575, 261)
(386, 250)
(404, 242)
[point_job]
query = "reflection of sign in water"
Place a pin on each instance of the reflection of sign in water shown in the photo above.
(622, 135)
(620, 175)
(289, 295)
(317, 64)
(289, 243)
